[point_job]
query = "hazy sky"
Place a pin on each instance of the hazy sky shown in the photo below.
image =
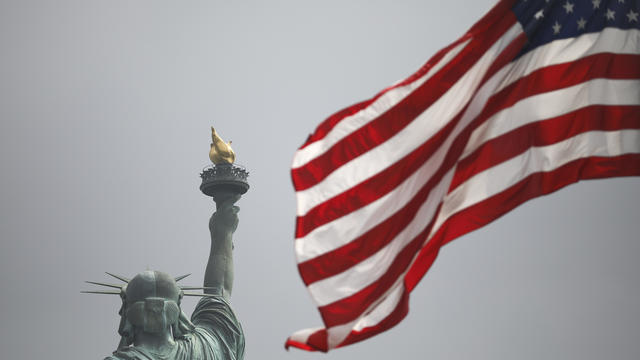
(105, 109)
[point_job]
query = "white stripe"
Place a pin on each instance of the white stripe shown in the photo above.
(302, 336)
(353, 122)
(609, 40)
(383, 310)
(405, 141)
(377, 312)
(537, 159)
(555, 103)
(374, 267)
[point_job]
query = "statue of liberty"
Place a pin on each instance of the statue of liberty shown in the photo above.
(152, 324)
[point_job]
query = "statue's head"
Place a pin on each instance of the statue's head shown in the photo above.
(152, 301)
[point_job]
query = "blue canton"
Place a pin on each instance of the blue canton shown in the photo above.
(546, 20)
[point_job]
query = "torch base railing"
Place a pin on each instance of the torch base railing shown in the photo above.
(224, 180)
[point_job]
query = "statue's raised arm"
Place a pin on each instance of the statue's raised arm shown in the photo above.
(218, 277)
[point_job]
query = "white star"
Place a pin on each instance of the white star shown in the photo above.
(582, 23)
(611, 15)
(556, 28)
(633, 16)
(539, 15)
(596, 4)
(568, 7)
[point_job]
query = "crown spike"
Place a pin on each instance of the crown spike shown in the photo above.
(198, 294)
(101, 292)
(178, 278)
(121, 278)
(105, 284)
(197, 288)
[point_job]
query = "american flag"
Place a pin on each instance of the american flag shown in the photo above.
(535, 96)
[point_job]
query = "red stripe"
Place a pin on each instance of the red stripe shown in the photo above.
(319, 340)
(535, 185)
(398, 117)
(316, 342)
(487, 21)
(289, 343)
(388, 322)
(547, 132)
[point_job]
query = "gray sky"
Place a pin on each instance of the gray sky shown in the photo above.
(105, 109)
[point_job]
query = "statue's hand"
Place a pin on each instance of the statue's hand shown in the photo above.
(226, 200)
(225, 220)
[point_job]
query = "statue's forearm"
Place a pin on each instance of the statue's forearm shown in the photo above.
(219, 272)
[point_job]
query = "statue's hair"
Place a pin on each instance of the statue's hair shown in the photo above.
(126, 329)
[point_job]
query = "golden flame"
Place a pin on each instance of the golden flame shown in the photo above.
(220, 152)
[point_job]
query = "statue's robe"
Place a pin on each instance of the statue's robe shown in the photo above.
(217, 336)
